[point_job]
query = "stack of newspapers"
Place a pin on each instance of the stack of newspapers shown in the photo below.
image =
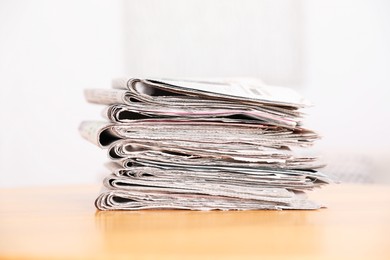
(227, 144)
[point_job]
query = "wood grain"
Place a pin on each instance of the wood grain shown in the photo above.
(62, 223)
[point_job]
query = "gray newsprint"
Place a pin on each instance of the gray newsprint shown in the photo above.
(203, 144)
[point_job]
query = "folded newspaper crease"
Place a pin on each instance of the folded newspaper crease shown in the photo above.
(229, 144)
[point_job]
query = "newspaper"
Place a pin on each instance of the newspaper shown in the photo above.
(150, 199)
(246, 90)
(148, 98)
(212, 131)
(203, 145)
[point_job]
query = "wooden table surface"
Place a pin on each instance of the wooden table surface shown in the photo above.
(61, 222)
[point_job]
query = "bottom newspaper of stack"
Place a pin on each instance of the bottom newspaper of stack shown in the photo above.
(175, 157)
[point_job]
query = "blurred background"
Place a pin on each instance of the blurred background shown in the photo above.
(336, 53)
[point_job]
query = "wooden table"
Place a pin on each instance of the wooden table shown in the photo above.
(61, 222)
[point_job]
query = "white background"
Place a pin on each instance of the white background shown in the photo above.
(335, 52)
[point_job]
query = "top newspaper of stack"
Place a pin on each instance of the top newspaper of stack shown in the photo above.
(232, 99)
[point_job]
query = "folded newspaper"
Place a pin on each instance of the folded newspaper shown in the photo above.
(222, 144)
